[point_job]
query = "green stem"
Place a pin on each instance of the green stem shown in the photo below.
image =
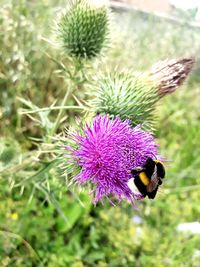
(60, 113)
(53, 108)
(7, 234)
(77, 83)
(78, 67)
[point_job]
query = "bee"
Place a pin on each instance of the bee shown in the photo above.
(147, 179)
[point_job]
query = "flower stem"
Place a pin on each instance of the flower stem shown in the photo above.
(60, 113)
(75, 84)
(52, 108)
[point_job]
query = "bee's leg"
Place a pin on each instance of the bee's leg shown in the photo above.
(153, 193)
(160, 181)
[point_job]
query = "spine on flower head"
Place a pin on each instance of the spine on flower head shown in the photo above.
(84, 29)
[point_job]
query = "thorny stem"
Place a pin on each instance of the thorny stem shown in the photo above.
(77, 85)
(52, 108)
(10, 234)
(20, 166)
(60, 113)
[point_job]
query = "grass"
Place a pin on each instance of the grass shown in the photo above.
(42, 223)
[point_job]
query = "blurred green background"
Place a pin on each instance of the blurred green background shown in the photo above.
(44, 224)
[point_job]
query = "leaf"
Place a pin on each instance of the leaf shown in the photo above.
(40, 175)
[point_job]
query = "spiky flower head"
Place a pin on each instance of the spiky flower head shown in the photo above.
(128, 96)
(84, 29)
(106, 152)
(134, 96)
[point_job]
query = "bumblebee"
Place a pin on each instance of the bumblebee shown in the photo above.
(147, 179)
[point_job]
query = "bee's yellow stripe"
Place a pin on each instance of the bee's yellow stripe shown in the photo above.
(158, 161)
(143, 177)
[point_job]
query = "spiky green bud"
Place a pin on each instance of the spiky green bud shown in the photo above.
(7, 154)
(84, 29)
(130, 97)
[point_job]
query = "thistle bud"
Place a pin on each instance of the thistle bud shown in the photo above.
(127, 96)
(84, 29)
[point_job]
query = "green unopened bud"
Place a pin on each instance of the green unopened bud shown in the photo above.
(84, 29)
(7, 154)
(130, 97)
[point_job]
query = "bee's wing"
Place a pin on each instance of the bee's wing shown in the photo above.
(155, 174)
(153, 185)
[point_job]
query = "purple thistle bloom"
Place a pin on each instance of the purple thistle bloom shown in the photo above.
(107, 151)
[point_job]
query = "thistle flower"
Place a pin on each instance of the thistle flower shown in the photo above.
(84, 29)
(106, 152)
(134, 97)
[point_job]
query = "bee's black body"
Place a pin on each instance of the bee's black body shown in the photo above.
(148, 178)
